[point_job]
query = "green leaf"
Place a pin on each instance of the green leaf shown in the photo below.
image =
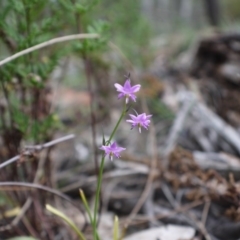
(115, 228)
(66, 219)
(21, 119)
(80, 8)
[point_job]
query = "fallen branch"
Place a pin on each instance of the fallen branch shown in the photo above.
(188, 103)
(36, 148)
(214, 121)
(218, 161)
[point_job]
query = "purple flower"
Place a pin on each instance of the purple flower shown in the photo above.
(140, 120)
(111, 150)
(127, 90)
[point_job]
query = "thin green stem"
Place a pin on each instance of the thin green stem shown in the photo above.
(99, 182)
(116, 127)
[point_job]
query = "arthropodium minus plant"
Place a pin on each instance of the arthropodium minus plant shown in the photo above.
(142, 120)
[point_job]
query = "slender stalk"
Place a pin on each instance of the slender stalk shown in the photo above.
(116, 127)
(99, 182)
(92, 114)
(88, 74)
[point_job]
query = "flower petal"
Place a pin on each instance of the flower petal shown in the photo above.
(130, 121)
(119, 150)
(127, 85)
(113, 145)
(121, 95)
(136, 88)
(103, 148)
(134, 118)
(118, 87)
(133, 97)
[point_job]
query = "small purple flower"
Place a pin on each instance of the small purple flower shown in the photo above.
(111, 150)
(140, 120)
(127, 90)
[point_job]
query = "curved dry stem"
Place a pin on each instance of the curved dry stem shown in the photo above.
(5, 186)
(48, 43)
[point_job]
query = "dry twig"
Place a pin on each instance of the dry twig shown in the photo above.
(48, 43)
(214, 121)
(142, 219)
(177, 127)
(36, 148)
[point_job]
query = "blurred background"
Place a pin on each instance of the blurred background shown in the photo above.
(184, 53)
